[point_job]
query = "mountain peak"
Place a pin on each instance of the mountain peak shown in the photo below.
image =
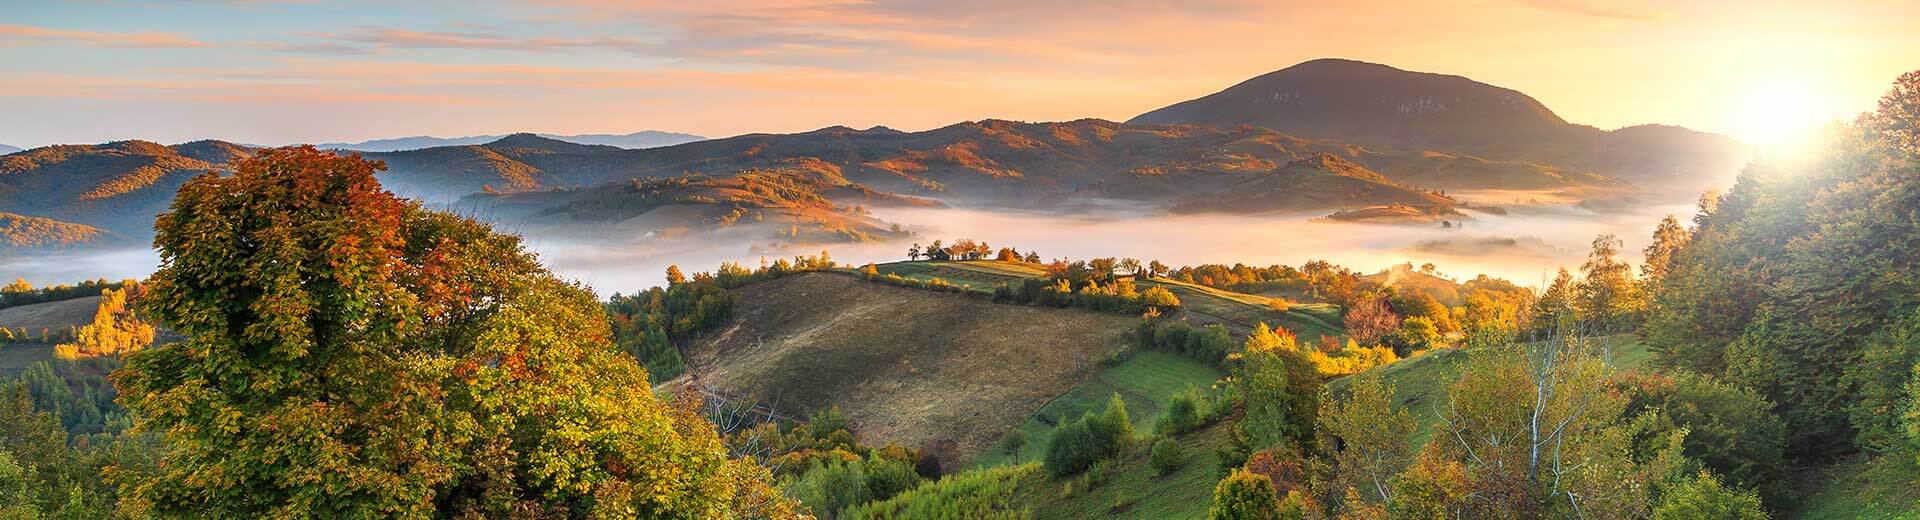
(1371, 104)
(531, 141)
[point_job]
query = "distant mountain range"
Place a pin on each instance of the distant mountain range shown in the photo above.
(636, 140)
(1366, 142)
(6, 149)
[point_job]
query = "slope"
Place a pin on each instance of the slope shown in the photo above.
(1375, 105)
(920, 368)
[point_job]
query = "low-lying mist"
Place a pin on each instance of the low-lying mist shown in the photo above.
(1525, 246)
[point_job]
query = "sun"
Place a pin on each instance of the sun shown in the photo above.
(1780, 112)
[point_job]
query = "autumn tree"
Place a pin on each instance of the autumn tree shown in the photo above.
(1280, 389)
(1370, 320)
(351, 354)
(1243, 496)
(1369, 438)
(1668, 240)
(1607, 296)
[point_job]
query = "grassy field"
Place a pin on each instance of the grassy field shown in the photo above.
(1240, 311)
(921, 368)
(977, 275)
(56, 315)
(1421, 383)
(1132, 489)
(1146, 381)
(1879, 487)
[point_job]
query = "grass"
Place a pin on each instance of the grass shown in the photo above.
(1146, 381)
(977, 275)
(925, 369)
(1876, 487)
(1131, 482)
(1421, 383)
(1241, 311)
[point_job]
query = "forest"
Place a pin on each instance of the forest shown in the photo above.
(314, 346)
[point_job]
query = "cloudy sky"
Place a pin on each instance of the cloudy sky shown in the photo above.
(269, 72)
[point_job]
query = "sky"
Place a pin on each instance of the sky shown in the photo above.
(280, 72)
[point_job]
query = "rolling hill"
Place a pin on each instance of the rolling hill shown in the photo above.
(1375, 105)
(1320, 182)
(796, 203)
(920, 368)
(636, 140)
(118, 186)
(21, 233)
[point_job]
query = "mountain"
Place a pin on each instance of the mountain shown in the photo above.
(20, 233)
(118, 186)
(1320, 182)
(636, 140)
(803, 202)
(6, 149)
(1378, 106)
(992, 162)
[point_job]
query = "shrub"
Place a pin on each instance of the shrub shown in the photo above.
(1182, 415)
(1167, 456)
(1243, 496)
(1703, 497)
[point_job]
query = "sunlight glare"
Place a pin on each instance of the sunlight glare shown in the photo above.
(1780, 112)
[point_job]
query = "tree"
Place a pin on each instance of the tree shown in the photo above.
(1704, 497)
(1158, 297)
(1155, 268)
(1243, 496)
(1668, 240)
(1608, 296)
(1280, 389)
(1370, 320)
(674, 276)
(913, 253)
(1370, 439)
(1013, 442)
(1166, 456)
(1414, 334)
(1556, 306)
(1897, 120)
(351, 354)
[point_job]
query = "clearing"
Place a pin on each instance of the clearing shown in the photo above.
(921, 368)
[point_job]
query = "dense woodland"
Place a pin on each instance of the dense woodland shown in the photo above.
(347, 353)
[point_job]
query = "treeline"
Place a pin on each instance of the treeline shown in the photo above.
(115, 328)
(1087, 284)
(1801, 284)
(654, 325)
(20, 292)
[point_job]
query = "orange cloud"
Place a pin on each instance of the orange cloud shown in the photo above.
(26, 35)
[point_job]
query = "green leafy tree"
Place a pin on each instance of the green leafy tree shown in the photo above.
(1607, 296)
(1370, 439)
(1166, 456)
(1280, 389)
(351, 354)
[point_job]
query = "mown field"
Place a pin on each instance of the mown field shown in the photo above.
(921, 368)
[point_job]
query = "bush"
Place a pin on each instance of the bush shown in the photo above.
(1182, 415)
(1167, 456)
(1703, 497)
(1080, 444)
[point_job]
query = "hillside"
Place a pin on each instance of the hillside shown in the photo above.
(1316, 183)
(118, 186)
(993, 163)
(636, 140)
(795, 204)
(920, 368)
(1375, 105)
(21, 233)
